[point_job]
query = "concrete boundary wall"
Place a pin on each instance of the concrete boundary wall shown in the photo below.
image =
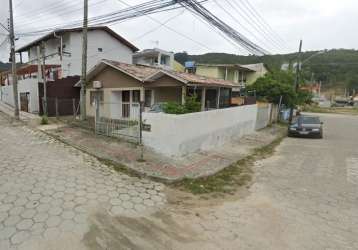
(266, 115)
(177, 135)
(24, 86)
(263, 116)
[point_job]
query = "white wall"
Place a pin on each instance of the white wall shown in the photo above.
(263, 116)
(71, 65)
(112, 50)
(27, 85)
(176, 135)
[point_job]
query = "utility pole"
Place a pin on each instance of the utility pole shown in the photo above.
(13, 63)
(297, 78)
(84, 62)
(44, 78)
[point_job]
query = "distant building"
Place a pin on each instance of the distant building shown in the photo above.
(243, 75)
(155, 58)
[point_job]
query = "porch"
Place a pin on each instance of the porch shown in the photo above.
(125, 103)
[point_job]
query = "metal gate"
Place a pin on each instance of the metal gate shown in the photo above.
(120, 120)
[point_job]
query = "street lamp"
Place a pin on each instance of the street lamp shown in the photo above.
(298, 69)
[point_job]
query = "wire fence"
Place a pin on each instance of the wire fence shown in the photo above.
(121, 120)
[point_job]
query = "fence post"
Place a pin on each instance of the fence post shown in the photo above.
(56, 107)
(96, 116)
(141, 104)
(74, 108)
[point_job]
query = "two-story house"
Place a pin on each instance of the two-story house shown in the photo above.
(63, 50)
(157, 58)
(243, 75)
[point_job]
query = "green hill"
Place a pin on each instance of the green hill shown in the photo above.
(4, 66)
(335, 68)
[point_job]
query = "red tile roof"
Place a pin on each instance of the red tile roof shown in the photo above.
(142, 73)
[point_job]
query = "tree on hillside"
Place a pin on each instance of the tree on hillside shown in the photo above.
(352, 82)
(330, 68)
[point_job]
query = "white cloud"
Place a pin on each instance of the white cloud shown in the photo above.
(320, 23)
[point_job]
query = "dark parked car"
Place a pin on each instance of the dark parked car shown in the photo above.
(306, 126)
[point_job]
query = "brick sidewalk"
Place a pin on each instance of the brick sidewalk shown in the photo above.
(159, 166)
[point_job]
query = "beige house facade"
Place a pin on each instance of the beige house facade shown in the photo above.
(242, 75)
(122, 87)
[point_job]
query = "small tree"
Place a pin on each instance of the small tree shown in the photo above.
(276, 84)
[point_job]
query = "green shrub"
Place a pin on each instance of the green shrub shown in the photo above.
(44, 120)
(191, 106)
(173, 108)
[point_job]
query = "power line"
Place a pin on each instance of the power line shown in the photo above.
(171, 29)
(4, 27)
(212, 27)
(151, 7)
(6, 40)
(233, 34)
(263, 22)
(158, 27)
(237, 21)
(62, 13)
(260, 31)
(38, 11)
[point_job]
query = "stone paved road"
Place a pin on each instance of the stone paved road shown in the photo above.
(48, 191)
(303, 197)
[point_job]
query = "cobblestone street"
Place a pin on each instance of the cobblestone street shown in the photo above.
(303, 197)
(55, 197)
(48, 191)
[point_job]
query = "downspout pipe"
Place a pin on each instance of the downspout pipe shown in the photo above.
(61, 45)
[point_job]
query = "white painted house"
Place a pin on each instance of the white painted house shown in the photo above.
(103, 43)
(155, 58)
(63, 50)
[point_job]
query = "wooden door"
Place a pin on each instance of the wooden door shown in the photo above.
(24, 101)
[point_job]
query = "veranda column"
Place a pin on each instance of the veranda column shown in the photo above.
(203, 98)
(183, 94)
(218, 99)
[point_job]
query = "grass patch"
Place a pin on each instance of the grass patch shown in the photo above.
(332, 110)
(229, 179)
(44, 120)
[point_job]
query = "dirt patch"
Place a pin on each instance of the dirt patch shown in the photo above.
(228, 180)
(159, 231)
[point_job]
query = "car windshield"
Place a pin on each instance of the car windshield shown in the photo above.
(308, 120)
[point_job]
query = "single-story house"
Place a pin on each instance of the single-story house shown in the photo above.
(122, 86)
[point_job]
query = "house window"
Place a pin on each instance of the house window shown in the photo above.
(136, 96)
(100, 49)
(148, 98)
(93, 96)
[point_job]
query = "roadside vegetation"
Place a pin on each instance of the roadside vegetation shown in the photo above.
(275, 85)
(228, 180)
(191, 105)
(333, 110)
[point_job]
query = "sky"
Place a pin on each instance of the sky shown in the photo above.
(322, 24)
